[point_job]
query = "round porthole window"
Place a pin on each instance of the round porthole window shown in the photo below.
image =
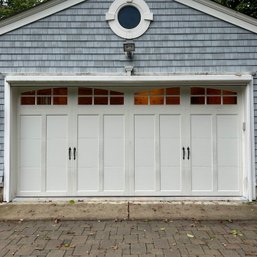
(129, 18)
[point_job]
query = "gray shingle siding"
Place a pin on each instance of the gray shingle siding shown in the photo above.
(78, 40)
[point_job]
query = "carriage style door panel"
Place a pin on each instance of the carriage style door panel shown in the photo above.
(170, 141)
(101, 153)
(215, 142)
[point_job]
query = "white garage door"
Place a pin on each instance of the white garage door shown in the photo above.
(174, 141)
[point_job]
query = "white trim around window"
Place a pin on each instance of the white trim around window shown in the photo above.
(112, 18)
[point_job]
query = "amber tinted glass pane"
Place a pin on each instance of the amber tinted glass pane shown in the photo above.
(213, 100)
(85, 91)
(60, 100)
(100, 92)
(101, 100)
(85, 100)
(229, 100)
(142, 93)
(44, 92)
(44, 100)
(155, 100)
(226, 92)
(157, 92)
(211, 91)
(60, 91)
(27, 100)
(29, 93)
(198, 100)
(173, 91)
(197, 91)
(141, 100)
(116, 93)
(172, 100)
(117, 100)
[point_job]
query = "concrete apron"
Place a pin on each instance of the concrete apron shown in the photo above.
(129, 210)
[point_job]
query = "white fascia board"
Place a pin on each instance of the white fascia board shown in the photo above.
(222, 13)
(39, 12)
(239, 78)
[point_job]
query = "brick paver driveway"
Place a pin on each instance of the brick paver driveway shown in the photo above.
(128, 238)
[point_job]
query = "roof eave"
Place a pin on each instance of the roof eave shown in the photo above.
(50, 7)
(38, 12)
(223, 13)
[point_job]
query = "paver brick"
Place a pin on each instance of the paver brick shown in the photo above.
(56, 253)
(128, 238)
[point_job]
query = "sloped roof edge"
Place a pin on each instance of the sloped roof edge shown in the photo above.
(34, 14)
(54, 6)
(223, 13)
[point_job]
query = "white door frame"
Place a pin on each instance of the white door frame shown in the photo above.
(205, 80)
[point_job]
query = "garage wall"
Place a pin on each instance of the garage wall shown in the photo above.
(179, 40)
(78, 40)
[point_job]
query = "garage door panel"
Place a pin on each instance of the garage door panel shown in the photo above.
(114, 140)
(227, 126)
(31, 154)
(144, 126)
(170, 126)
(30, 166)
(88, 126)
(88, 152)
(202, 152)
(144, 152)
(170, 140)
(56, 179)
(31, 126)
(88, 179)
(171, 178)
(57, 127)
(30, 181)
(114, 179)
(227, 152)
(114, 126)
(202, 178)
(114, 152)
(56, 153)
(228, 178)
(145, 178)
(170, 152)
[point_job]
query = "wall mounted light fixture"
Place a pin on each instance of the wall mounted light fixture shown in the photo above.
(129, 48)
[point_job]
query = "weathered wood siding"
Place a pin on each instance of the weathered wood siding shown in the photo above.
(78, 40)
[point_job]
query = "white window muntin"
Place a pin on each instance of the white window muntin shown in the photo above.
(112, 18)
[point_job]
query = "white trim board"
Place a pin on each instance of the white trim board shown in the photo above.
(54, 6)
(222, 13)
(244, 79)
(236, 78)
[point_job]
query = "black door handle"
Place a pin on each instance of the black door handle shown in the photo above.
(69, 153)
(74, 153)
(184, 152)
(188, 153)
